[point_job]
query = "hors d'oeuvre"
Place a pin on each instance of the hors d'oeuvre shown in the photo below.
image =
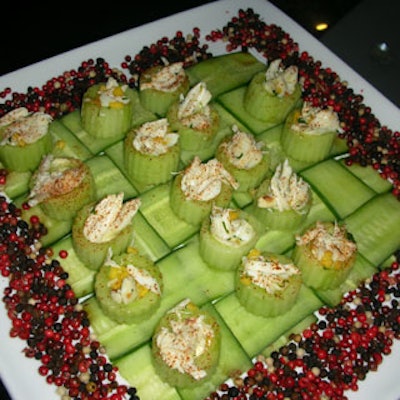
(198, 187)
(325, 253)
(267, 284)
(186, 345)
(128, 287)
(309, 132)
(283, 201)
(24, 139)
(226, 236)
(61, 186)
(160, 86)
(246, 159)
(271, 95)
(103, 225)
(194, 118)
(152, 152)
(106, 110)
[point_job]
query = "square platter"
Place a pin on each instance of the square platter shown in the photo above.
(19, 373)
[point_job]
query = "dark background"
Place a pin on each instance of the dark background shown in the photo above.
(35, 31)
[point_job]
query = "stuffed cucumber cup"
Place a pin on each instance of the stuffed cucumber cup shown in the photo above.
(194, 119)
(198, 187)
(267, 284)
(325, 253)
(271, 95)
(24, 139)
(283, 201)
(152, 153)
(106, 110)
(186, 345)
(247, 160)
(99, 227)
(308, 133)
(160, 86)
(61, 186)
(226, 236)
(128, 287)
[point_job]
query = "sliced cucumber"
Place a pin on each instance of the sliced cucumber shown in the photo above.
(17, 183)
(66, 144)
(340, 189)
(225, 72)
(259, 332)
(376, 227)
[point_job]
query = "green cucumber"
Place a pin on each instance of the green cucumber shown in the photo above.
(108, 178)
(186, 345)
(233, 101)
(270, 286)
(156, 210)
(17, 183)
(370, 176)
(80, 277)
(361, 270)
(129, 287)
(184, 272)
(66, 144)
(225, 72)
(267, 107)
(137, 368)
(338, 188)
(259, 332)
(109, 121)
(73, 122)
(376, 227)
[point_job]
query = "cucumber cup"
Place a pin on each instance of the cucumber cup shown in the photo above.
(325, 254)
(244, 158)
(106, 110)
(129, 287)
(271, 95)
(196, 189)
(186, 345)
(195, 119)
(152, 153)
(24, 139)
(267, 284)
(226, 236)
(283, 201)
(308, 133)
(160, 86)
(62, 186)
(99, 227)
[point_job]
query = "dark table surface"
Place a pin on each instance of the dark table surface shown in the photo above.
(360, 33)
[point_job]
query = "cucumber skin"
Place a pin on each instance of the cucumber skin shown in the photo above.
(194, 211)
(94, 254)
(258, 301)
(150, 169)
(220, 255)
(104, 122)
(207, 361)
(65, 206)
(248, 178)
(193, 139)
(28, 157)
(139, 309)
(158, 101)
(266, 107)
(304, 147)
(317, 276)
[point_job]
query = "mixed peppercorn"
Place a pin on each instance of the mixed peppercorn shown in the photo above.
(324, 361)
